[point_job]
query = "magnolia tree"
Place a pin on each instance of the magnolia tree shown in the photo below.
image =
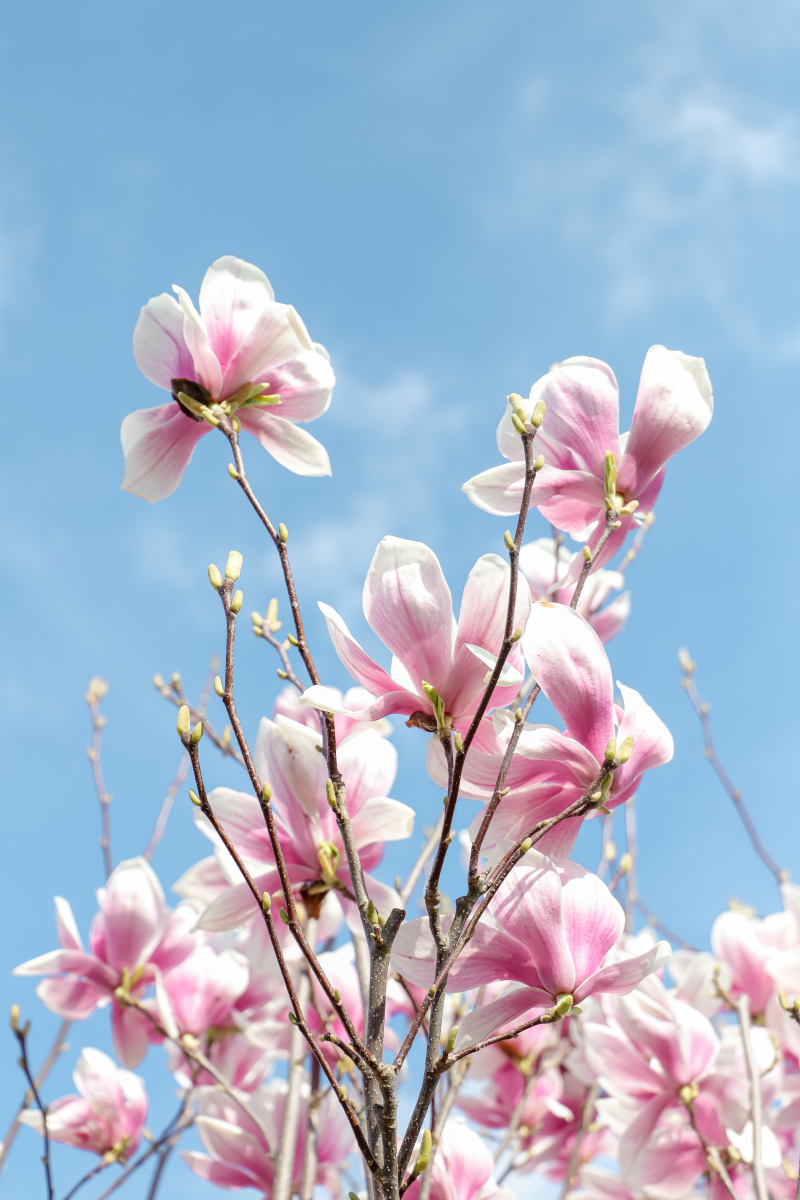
(289, 986)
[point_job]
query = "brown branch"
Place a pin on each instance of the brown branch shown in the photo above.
(21, 1034)
(612, 515)
(173, 692)
(96, 691)
(54, 1052)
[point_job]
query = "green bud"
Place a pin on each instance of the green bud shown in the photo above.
(266, 793)
(587, 554)
(611, 750)
(272, 610)
(610, 474)
(508, 539)
(293, 640)
(279, 671)
(184, 722)
(525, 846)
(625, 749)
(517, 634)
(218, 688)
(233, 566)
(234, 474)
(292, 1018)
(563, 1004)
(266, 902)
(257, 631)
(353, 1196)
(538, 413)
(284, 916)
(372, 913)
(237, 601)
(337, 996)
(330, 793)
(518, 715)
(195, 799)
(207, 415)
(424, 1156)
(629, 508)
(283, 533)
(214, 577)
(451, 1040)
(237, 425)
(459, 744)
(518, 425)
(197, 733)
(537, 466)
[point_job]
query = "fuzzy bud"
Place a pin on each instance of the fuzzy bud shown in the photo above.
(292, 1018)
(537, 466)
(587, 554)
(197, 733)
(234, 474)
(459, 744)
(292, 640)
(284, 916)
(330, 793)
(218, 688)
(625, 864)
(525, 846)
(517, 423)
(625, 749)
(237, 601)
(237, 424)
(517, 634)
(266, 902)
(214, 577)
(424, 1156)
(266, 793)
(538, 414)
(372, 913)
(508, 539)
(233, 566)
(195, 799)
(184, 722)
(451, 1040)
(563, 1005)
(611, 750)
(283, 533)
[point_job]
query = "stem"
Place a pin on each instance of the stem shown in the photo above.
(587, 1112)
(611, 516)
(21, 1035)
(97, 689)
(455, 1079)
(55, 1050)
(419, 866)
(101, 1166)
(631, 894)
(759, 1182)
(284, 1160)
(710, 752)
(309, 1175)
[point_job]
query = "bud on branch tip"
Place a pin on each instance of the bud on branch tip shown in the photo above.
(184, 722)
(214, 577)
(233, 566)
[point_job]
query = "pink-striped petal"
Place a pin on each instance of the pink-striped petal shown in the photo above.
(159, 347)
(289, 445)
(233, 295)
(158, 444)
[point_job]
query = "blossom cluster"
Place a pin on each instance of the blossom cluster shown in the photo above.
(287, 985)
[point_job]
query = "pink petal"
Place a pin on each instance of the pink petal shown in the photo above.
(634, 1142)
(611, 620)
(304, 383)
(735, 939)
(66, 928)
(233, 294)
(582, 418)
(326, 699)
(652, 741)
(407, 602)
(75, 962)
(484, 604)
(222, 1174)
(131, 1032)
(74, 999)
(289, 445)
(234, 906)
(206, 367)
(233, 1145)
(569, 662)
(527, 907)
(612, 1055)
(158, 344)
(593, 920)
(619, 978)
(673, 407)
(382, 820)
(133, 912)
(158, 444)
(507, 1011)
(570, 500)
(499, 490)
(368, 763)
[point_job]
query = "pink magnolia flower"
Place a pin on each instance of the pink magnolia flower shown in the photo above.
(495, 1104)
(673, 407)
(408, 604)
(551, 769)
(108, 1115)
(549, 927)
(545, 572)
(237, 1154)
(289, 703)
(203, 989)
(133, 938)
(462, 1168)
(287, 756)
(756, 953)
(240, 337)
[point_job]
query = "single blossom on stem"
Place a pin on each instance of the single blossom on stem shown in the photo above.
(106, 1117)
(242, 352)
(581, 426)
(408, 604)
(549, 927)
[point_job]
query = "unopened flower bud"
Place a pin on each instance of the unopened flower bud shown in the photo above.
(508, 539)
(330, 793)
(279, 671)
(14, 1017)
(517, 423)
(517, 634)
(237, 601)
(563, 1004)
(214, 577)
(292, 1018)
(525, 846)
(266, 793)
(459, 744)
(537, 466)
(184, 722)
(283, 533)
(625, 864)
(195, 799)
(687, 662)
(451, 1040)
(537, 415)
(518, 716)
(372, 913)
(424, 1156)
(292, 640)
(266, 902)
(611, 750)
(587, 554)
(284, 916)
(218, 688)
(197, 733)
(233, 566)
(625, 748)
(237, 425)
(234, 474)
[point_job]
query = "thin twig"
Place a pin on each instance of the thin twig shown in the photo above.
(712, 1153)
(688, 667)
(89, 1176)
(54, 1052)
(287, 1146)
(95, 693)
(419, 866)
(21, 1034)
(173, 692)
(759, 1182)
(181, 1121)
(612, 515)
(587, 1113)
(638, 542)
(631, 894)
(309, 1173)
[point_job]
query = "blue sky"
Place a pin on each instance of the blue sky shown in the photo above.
(453, 195)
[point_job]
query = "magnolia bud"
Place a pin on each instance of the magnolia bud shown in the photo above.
(517, 423)
(292, 1018)
(237, 425)
(563, 1005)
(234, 474)
(625, 749)
(266, 902)
(208, 416)
(509, 541)
(538, 413)
(372, 913)
(283, 533)
(279, 671)
(293, 640)
(451, 1040)
(233, 566)
(266, 793)
(184, 722)
(525, 846)
(237, 601)
(517, 634)
(518, 715)
(214, 577)
(459, 744)
(537, 466)
(424, 1156)
(218, 688)
(587, 554)
(611, 750)
(197, 733)
(337, 996)
(625, 864)
(330, 793)
(284, 916)
(195, 799)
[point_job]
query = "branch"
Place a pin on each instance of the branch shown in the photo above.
(587, 1112)
(612, 517)
(688, 667)
(56, 1049)
(181, 1121)
(21, 1034)
(173, 692)
(95, 693)
(759, 1182)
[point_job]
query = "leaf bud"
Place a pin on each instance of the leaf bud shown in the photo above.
(293, 640)
(292, 1018)
(237, 601)
(258, 631)
(525, 846)
(207, 415)
(279, 671)
(537, 466)
(563, 1004)
(625, 864)
(517, 423)
(372, 913)
(218, 688)
(214, 577)
(266, 793)
(233, 566)
(625, 749)
(784, 1003)
(432, 990)
(617, 525)
(195, 799)
(184, 722)
(518, 716)
(517, 634)
(284, 916)
(538, 414)
(237, 425)
(451, 1040)
(197, 733)
(611, 750)
(14, 1017)
(508, 539)
(353, 1196)
(459, 744)
(424, 1156)
(629, 508)
(283, 533)
(330, 793)
(234, 474)
(266, 902)
(587, 554)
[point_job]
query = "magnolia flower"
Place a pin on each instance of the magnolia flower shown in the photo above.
(408, 604)
(581, 426)
(289, 703)
(237, 1154)
(286, 754)
(203, 990)
(552, 769)
(462, 1168)
(243, 352)
(108, 1115)
(133, 938)
(546, 565)
(549, 927)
